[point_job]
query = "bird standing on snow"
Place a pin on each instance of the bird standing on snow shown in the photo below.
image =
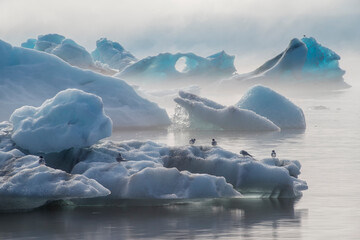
(245, 153)
(42, 160)
(273, 154)
(213, 142)
(119, 158)
(192, 141)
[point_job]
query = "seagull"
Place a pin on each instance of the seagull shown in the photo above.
(245, 153)
(42, 160)
(119, 158)
(213, 142)
(273, 154)
(192, 141)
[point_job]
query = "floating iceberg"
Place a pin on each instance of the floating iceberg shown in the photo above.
(74, 118)
(167, 66)
(304, 62)
(146, 170)
(112, 54)
(66, 49)
(204, 113)
(157, 171)
(275, 107)
(27, 184)
(28, 77)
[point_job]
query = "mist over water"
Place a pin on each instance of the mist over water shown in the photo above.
(252, 31)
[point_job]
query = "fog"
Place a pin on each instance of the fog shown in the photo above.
(253, 31)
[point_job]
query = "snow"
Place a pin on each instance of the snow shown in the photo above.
(204, 113)
(158, 171)
(29, 77)
(26, 184)
(112, 54)
(167, 66)
(275, 107)
(74, 118)
(304, 62)
(149, 171)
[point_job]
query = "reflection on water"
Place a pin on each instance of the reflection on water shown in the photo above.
(230, 218)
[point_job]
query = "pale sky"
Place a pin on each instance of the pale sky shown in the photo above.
(248, 29)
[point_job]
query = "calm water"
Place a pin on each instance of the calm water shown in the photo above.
(329, 151)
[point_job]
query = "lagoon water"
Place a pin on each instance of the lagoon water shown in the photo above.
(329, 151)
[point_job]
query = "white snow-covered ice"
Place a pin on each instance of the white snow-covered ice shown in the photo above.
(72, 118)
(275, 107)
(29, 77)
(204, 113)
(158, 171)
(27, 184)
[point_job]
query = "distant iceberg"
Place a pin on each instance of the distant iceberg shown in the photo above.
(275, 107)
(29, 77)
(304, 62)
(112, 54)
(74, 118)
(167, 66)
(66, 49)
(204, 113)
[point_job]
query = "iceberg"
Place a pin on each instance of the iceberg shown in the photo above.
(204, 113)
(74, 118)
(185, 66)
(147, 170)
(29, 77)
(68, 50)
(275, 107)
(304, 62)
(27, 184)
(112, 54)
(158, 171)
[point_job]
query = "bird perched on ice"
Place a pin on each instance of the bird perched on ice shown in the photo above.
(192, 141)
(213, 142)
(42, 160)
(273, 154)
(119, 158)
(245, 153)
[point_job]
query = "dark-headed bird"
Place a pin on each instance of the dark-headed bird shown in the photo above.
(192, 141)
(273, 154)
(245, 153)
(213, 142)
(119, 158)
(42, 160)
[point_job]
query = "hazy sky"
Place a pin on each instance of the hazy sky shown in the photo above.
(249, 29)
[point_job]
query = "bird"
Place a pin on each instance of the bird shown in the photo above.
(119, 158)
(245, 153)
(192, 141)
(42, 160)
(273, 154)
(304, 36)
(213, 142)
